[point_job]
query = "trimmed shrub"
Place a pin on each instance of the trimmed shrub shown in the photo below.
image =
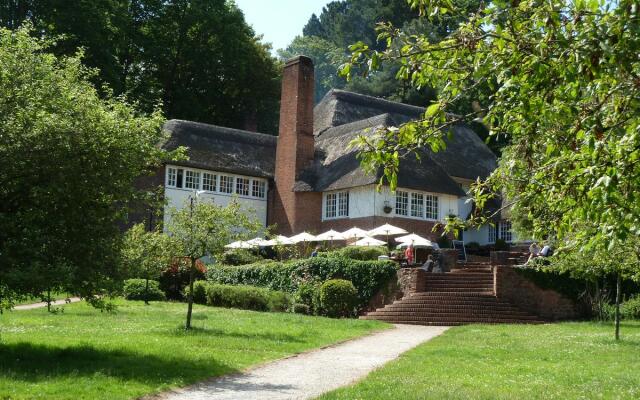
(308, 294)
(135, 289)
(367, 276)
(239, 257)
(199, 292)
(246, 298)
(301, 309)
(630, 309)
(338, 298)
(358, 253)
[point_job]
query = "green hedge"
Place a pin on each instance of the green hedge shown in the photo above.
(357, 253)
(240, 296)
(239, 257)
(367, 276)
(338, 298)
(136, 289)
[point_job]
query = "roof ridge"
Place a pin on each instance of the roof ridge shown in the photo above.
(364, 99)
(349, 128)
(224, 133)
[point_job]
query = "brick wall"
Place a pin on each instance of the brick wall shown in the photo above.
(406, 281)
(291, 211)
(515, 288)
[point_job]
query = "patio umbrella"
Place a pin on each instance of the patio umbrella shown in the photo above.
(354, 233)
(416, 241)
(260, 242)
(368, 241)
(330, 235)
(387, 230)
(240, 244)
(278, 241)
(303, 237)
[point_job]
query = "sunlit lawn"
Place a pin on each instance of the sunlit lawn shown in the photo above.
(556, 361)
(84, 354)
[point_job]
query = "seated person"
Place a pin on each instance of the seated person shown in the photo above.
(428, 265)
(546, 251)
(534, 251)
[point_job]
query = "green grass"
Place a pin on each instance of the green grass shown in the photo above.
(84, 354)
(558, 361)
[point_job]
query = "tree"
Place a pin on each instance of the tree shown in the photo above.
(147, 253)
(565, 84)
(203, 229)
(69, 160)
(326, 57)
(199, 58)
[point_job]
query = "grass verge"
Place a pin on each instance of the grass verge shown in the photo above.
(84, 354)
(555, 361)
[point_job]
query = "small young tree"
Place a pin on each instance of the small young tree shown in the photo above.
(203, 229)
(146, 254)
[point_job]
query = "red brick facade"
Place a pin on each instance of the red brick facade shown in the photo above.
(293, 212)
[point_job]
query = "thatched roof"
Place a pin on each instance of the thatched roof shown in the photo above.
(223, 149)
(336, 165)
(339, 107)
(466, 155)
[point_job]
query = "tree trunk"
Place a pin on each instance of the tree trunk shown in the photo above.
(618, 290)
(146, 292)
(49, 300)
(190, 294)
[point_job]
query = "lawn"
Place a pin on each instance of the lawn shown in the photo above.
(84, 354)
(557, 361)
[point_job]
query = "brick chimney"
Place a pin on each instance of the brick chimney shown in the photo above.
(295, 211)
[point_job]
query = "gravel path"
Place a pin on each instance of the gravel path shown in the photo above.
(44, 304)
(310, 374)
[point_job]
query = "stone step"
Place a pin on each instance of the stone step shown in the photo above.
(453, 320)
(452, 294)
(451, 316)
(456, 307)
(459, 284)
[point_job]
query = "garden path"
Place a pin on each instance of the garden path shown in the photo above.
(311, 374)
(44, 304)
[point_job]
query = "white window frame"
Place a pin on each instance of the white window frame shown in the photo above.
(336, 205)
(343, 204)
(243, 186)
(209, 181)
(416, 206)
(192, 179)
(493, 233)
(258, 189)
(505, 232)
(402, 203)
(172, 176)
(227, 184)
(432, 207)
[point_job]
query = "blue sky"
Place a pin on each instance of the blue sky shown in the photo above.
(279, 20)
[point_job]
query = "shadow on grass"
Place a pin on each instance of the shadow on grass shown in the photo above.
(200, 331)
(29, 362)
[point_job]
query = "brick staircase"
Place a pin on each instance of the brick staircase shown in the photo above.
(463, 296)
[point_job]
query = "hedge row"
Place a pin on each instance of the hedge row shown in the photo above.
(241, 296)
(367, 276)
